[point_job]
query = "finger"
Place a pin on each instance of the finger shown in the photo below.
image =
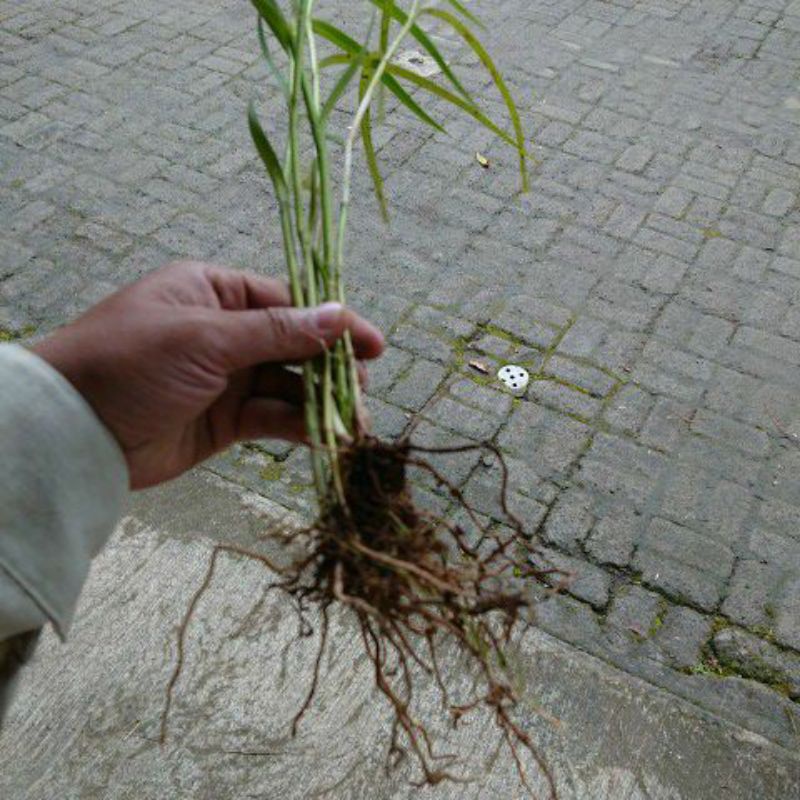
(368, 341)
(238, 290)
(363, 375)
(246, 338)
(262, 418)
(278, 382)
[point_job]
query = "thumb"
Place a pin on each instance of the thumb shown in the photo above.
(278, 334)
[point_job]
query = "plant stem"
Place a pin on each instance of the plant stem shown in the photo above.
(355, 127)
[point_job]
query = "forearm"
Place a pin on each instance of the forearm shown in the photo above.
(63, 480)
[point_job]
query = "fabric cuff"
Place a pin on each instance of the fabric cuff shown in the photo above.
(63, 481)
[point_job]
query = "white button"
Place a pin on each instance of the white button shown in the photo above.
(516, 378)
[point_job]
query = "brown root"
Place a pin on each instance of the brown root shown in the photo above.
(414, 582)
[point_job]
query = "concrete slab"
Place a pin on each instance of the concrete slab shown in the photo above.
(84, 723)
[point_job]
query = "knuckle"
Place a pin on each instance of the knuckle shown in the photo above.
(280, 323)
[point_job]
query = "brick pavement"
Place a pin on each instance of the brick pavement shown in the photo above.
(650, 281)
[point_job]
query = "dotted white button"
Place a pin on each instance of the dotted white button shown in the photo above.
(516, 378)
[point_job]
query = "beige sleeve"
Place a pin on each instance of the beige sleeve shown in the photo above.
(63, 481)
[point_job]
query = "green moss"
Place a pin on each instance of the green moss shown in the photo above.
(719, 624)
(7, 335)
(710, 233)
(710, 670)
(655, 624)
(503, 334)
(272, 471)
(479, 379)
(459, 347)
(765, 632)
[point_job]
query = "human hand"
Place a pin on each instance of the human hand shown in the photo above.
(192, 358)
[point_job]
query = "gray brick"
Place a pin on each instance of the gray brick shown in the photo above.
(666, 424)
(736, 434)
(635, 610)
(779, 202)
(569, 521)
(664, 243)
(473, 423)
(543, 438)
(787, 615)
(417, 386)
(624, 221)
(682, 634)
(754, 658)
(621, 468)
(563, 398)
(384, 372)
(635, 158)
(629, 409)
(585, 377)
(674, 202)
(684, 564)
(584, 580)
(614, 537)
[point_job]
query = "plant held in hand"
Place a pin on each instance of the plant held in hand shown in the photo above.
(413, 580)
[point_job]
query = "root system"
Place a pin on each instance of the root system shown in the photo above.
(415, 582)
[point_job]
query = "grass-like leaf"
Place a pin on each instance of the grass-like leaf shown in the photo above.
(466, 13)
(345, 78)
(336, 36)
(371, 157)
(425, 42)
(271, 13)
(434, 88)
(268, 155)
(351, 47)
(469, 37)
(408, 101)
(273, 68)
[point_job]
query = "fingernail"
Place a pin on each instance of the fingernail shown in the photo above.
(327, 319)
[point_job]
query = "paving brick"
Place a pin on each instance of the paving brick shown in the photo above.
(787, 614)
(673, 201)
(548, 441)
(682, 634)
(569, 521)
(413, 390)
(635, 610)
(583, 580)
(684, 564)
(621, 468)
(754, 658)
(614, 537)
(628, 409)
(779, 202)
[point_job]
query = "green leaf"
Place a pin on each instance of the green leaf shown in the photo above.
(271, 13)
(487, 62)
(351, 46)
(372, 159)
(465, 12)
(335, 35)
(268, 155)
(408, 101)
(434, 88)
(265, 51)
(344, 80)
(386, 21)
(426, 43)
